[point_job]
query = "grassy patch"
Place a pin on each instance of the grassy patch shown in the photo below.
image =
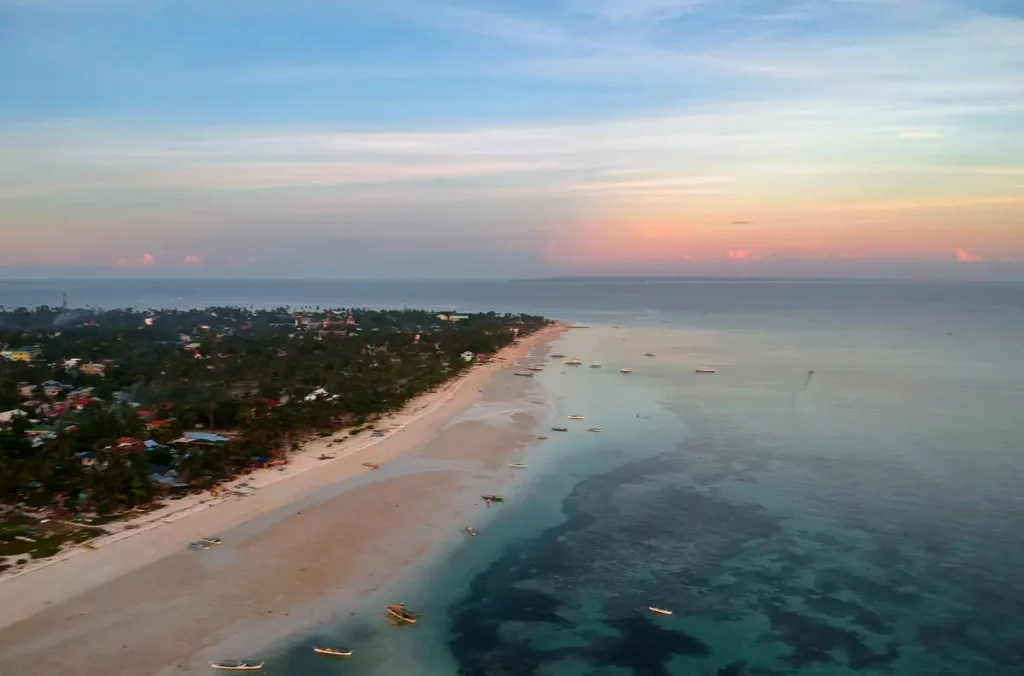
(47, 540)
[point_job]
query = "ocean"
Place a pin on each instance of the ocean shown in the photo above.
(843, 496)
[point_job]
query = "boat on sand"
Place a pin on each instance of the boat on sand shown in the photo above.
(237, 665)
(469, 530)
(333, 652)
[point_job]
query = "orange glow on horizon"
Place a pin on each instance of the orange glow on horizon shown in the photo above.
(660, 242)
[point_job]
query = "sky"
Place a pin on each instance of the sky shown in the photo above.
(511, 138)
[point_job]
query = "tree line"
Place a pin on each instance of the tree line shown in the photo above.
(267, 378)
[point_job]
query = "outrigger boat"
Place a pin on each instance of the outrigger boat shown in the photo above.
(211, 541)
(575, 417)
(659, 611)
(540, 438)
(196, 546)
(402, 614)
(594, 429)
(333, 652)
(705, 369)
(469, 530)
(557, 355)
(492, 498)
(559, 429)
(595, 366)
(517, 465)
(371, 465)
(237, 665)
(625, 370)
(649, 354)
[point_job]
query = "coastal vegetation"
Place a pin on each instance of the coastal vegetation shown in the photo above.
(108, 412)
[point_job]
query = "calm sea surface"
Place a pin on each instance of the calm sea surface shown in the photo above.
(865, 518)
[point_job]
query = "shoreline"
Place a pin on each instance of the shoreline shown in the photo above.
(77, 572)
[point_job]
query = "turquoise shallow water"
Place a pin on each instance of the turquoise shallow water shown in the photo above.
(861, 520)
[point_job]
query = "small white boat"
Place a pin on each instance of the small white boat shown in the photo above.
(625, 370)
(525, 374)
(659, 611)
(705, 369)
(333, 652)
(557, 355)
(575, 417)
(237, 665)
(517, 465)
(469, 530)
(594, 429)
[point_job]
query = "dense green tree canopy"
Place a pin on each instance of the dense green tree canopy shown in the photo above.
(269, 378)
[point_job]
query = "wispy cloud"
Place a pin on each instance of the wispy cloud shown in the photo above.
(636, 10)
(144, 261)
(968, 257)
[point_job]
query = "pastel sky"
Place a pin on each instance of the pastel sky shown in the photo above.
(497, 138)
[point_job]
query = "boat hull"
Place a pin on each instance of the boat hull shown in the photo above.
(401, 617)
(234, 667)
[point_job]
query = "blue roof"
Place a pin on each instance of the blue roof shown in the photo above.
(204, 436)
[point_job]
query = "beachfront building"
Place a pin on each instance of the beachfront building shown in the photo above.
(21, 353)
(7, 417)
(93, 369)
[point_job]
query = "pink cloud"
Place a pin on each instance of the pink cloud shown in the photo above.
(193, 259)
(968, 257)
(143, 261)
(739, 255)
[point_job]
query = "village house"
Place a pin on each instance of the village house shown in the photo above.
(7, 417)
(21, 353)
(51, 388)
(92, 369)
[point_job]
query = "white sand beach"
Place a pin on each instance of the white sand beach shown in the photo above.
(140, 586)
